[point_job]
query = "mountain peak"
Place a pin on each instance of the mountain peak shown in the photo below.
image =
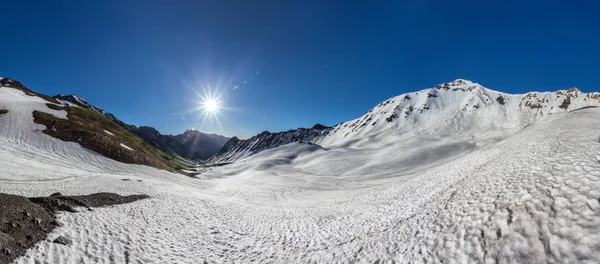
(458, 85)
(200, 145)
(73, 99)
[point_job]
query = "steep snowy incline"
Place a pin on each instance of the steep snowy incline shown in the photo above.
(461, 107)
(19, 136)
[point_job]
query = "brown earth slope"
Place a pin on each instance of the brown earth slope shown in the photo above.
(100, 134)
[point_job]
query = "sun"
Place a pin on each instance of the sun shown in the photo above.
(211, 105)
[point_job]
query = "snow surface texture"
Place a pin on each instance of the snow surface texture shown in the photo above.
(529, 196)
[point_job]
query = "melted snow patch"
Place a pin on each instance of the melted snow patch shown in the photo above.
(126, 147)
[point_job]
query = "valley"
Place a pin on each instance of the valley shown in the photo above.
(503, 182)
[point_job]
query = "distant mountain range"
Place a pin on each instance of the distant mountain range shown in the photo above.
(460, 107)
(191, 144)
(236, 149)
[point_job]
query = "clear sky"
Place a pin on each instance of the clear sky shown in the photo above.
(317, 61)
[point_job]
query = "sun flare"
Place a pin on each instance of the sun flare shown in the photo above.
(211, 105)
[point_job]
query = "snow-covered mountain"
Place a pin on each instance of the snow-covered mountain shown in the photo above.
(442, 193)
(460, 107)
(236, 149)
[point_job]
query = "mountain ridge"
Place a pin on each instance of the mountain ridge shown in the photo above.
(459, 107)
(198, 149)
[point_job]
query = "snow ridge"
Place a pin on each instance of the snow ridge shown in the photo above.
(460, 107)
(74, 100)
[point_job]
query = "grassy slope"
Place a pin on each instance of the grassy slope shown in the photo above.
(87, 127)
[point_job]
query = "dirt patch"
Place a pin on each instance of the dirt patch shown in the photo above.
(22, 224)
(55, 107)
(26, 221)
(3, 111)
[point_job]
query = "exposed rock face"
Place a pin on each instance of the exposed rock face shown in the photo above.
(8, 82)
(22, 225)
(165, 143)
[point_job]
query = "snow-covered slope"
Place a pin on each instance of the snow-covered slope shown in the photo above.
(19, 136)
(441, 197)
(460, 107)
(530, 198)
(236, 149)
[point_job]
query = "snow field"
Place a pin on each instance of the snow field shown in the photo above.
(531, 197)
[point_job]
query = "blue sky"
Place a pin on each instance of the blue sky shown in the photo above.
(319, 61)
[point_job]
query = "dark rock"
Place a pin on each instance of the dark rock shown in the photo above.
(319, 127)
(391, 118)
(18, 233)
(62, 240)
(500, 100)
(565, 104)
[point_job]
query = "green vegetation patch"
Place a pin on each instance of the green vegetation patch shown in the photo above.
(89, 128)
